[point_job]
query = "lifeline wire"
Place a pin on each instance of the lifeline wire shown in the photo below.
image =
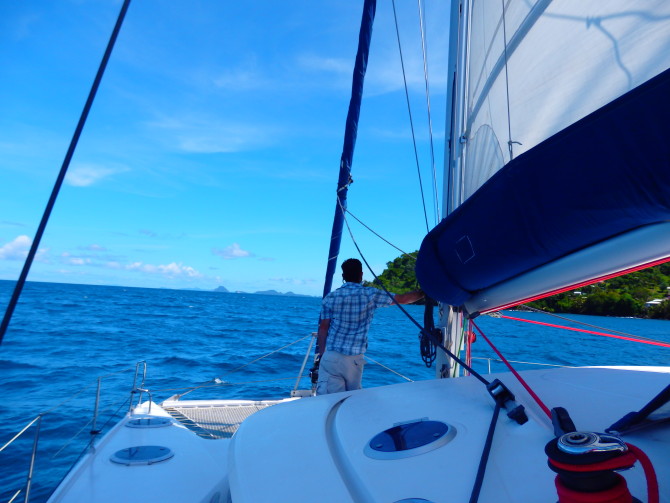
(268, 354)
(390, 369)
(61, 175)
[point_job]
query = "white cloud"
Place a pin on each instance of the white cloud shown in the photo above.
(17, 249)
(93, 247)
(232, 252)
(172, 269)
(203, 136)
(84, 175)
(340, 67)
(79, 261)
(293, 281)
(241, 80)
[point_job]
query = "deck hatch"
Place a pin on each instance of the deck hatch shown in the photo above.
(409, 439)
(149, 422)
(142, 455)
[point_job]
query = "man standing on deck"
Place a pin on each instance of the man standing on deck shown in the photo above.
(345, 318)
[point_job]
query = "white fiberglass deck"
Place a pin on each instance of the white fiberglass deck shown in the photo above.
(318, 448)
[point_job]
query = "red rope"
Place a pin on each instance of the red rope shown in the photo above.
(516, 374)
(576, 285)
(617, 494)
(649, 473)
(655, 343)
(619, 463)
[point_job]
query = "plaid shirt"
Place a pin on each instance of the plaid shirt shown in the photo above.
(350, 309)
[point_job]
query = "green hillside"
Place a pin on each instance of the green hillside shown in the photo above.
(622, 296)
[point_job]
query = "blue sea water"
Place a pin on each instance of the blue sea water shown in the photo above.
(63, 337)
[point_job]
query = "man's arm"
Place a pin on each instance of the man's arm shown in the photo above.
(324, 325)
(408, 298)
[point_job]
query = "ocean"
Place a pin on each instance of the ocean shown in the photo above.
(64, 337)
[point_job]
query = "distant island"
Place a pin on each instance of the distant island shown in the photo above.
(263, 292)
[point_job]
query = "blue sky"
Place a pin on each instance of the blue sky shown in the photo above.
(211, 153)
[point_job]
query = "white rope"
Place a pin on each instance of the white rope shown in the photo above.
(271, 353)
(424, 51)
(20, 433)
(71, 439)
(526, 363)
(389, 369)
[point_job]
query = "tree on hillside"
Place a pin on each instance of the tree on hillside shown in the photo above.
(398, 277)
(620, 296)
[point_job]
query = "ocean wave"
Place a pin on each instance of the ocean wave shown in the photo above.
(13, 365)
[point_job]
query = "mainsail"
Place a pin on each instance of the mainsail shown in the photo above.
(559, 158)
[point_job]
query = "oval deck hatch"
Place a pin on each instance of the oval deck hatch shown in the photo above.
(409, 439)
(149, 422)
(142, 455)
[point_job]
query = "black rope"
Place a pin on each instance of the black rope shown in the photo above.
(61, 175)
(432, 337)
(479, 480)
(427, 348)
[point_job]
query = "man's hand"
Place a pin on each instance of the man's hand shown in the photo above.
(410, 297)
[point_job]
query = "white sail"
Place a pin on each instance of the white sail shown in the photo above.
(540, 66)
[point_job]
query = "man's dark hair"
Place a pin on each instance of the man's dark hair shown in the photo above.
(352, 269)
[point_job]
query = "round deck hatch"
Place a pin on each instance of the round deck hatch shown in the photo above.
(142, 455)
(409, 439)
(149, 422)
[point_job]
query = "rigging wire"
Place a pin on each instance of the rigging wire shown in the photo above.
(634, 339)
(409, 316)
(509, 117)
(577, 322)
(411, 122)
(381, 237)
(537, 399)
(430, 121)
(61, 175)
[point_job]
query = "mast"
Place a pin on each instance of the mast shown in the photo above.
(351, 130)
(451, 318)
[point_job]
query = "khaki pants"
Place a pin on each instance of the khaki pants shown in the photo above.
(338, 372)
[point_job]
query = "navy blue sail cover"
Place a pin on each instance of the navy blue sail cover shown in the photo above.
(607, 174)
